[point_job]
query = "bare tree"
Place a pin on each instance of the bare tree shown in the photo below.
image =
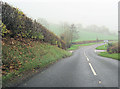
(70, 33)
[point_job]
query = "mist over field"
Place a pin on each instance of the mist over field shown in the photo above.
(85, 12)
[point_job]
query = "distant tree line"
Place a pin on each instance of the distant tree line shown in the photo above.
(95, 28)
(91, 28)
(16, 24)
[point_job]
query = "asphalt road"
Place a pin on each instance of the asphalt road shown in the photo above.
(83, 69)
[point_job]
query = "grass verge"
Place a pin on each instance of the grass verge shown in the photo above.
(103, 47)
(113, 55)
(106, 54)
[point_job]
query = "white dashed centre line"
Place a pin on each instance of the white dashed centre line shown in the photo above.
(86, 56)
(90, 64)
(92, 69)
(87, 59)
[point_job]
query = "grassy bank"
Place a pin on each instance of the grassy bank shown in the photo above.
(21, 56)
(113, 55)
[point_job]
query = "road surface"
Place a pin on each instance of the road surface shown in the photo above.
(83, 69)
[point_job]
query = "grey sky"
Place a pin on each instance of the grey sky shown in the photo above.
(86, 12)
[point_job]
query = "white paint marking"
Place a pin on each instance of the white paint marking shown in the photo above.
(99, 82)
(90, 64)
(87, 59)
(86, 56)
(84, 53)
(71, 51)
(95, 50)
(25, 84)
(92, 69)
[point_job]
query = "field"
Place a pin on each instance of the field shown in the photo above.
(84, 35)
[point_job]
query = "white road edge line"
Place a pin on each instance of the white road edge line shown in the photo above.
(92, 69)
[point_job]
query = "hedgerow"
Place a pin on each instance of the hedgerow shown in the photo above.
(19, 25)
(113, 48)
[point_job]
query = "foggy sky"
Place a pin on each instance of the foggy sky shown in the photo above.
(86, 12)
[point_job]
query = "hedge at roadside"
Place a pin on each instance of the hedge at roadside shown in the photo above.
(19, 25)
(113, 48)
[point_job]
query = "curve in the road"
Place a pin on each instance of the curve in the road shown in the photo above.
(83, 69)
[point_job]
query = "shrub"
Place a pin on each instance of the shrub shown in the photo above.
(112, 48)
